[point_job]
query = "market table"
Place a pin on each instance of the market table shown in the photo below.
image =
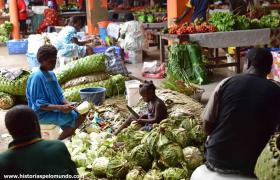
(154, 30)
(238, 39)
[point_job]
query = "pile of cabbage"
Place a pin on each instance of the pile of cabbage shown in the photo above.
(172, 150)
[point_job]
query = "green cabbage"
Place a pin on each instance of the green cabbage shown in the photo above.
(197, 136)
(151, 140)
(188, 123)
(106, 151)
(83, 172)
(100, 166)
(181, 136)
(136, 174)
(80, 160)
(171, 155)
(193, 157)
(117, 167)
(174, 174)
(140, 156)
(153, 174)
(131, 137)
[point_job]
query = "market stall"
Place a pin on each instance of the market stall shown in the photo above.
(222, 40)
(224, 30)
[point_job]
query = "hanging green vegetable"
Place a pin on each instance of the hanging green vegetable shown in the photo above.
(198, 68)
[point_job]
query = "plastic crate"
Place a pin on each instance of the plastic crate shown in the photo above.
(17, 46)
(102, 49)
(32, 61)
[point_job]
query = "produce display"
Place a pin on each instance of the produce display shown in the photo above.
(99, 154)
(270, 21)
(114, 86)
(268, 163)
(184, 67)
(14, 87)
(150, 18)
(172, 150)
(6, 101)
(5, 30)
(153, 14)
(225, 21)
(82, 67)
(191, 28)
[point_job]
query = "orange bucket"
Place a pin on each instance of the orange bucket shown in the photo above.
(103, 24)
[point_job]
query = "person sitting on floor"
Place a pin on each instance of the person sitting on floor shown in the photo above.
(240, 117)
(157, 110)
(28, 154)
(45, 95)
(67, 42)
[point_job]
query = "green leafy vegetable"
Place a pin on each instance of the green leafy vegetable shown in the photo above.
(193, 157)
(136, 174)
(174, 174)
(153, 174)
(171, 155)
(140, 156)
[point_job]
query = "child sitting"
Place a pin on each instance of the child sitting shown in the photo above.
(157, 110)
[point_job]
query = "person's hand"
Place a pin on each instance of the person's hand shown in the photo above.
(67, 108)
(175, 20)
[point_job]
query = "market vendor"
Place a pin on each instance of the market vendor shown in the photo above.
(199, 10)
(50, 18)
(240, 117)
(156, 112)
(28, 154)
(67, 42)
(45, 95)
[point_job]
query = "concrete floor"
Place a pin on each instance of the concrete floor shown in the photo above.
(20, 61)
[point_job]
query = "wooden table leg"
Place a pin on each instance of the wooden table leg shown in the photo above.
(157, 41)
(162, 50)
(238, 68)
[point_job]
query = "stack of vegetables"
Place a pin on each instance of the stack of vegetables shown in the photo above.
(225, 21)
(151, 15)
(5, 31)
(190, 28)
(83, 73)
(172, 150)
(89, 72)
(10, 89)
(185, 66)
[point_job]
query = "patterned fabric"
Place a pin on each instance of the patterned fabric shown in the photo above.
(65, 46)
(275, 70)
(50, 19)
